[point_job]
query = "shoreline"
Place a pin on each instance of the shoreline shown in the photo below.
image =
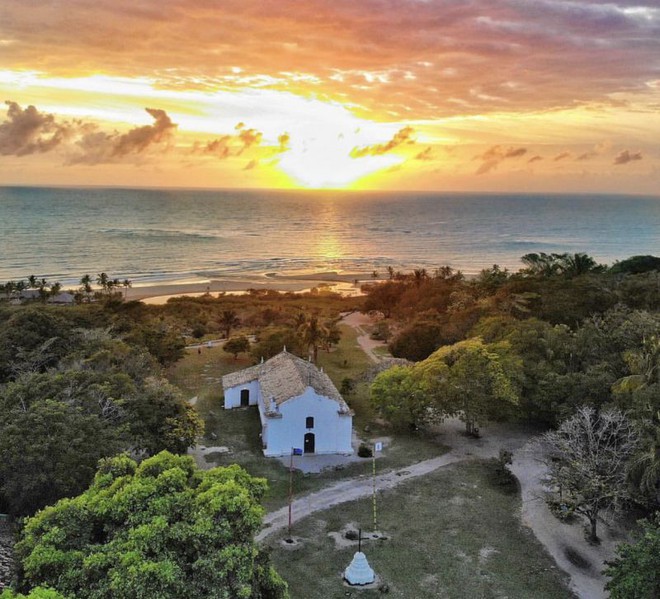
(343, 283)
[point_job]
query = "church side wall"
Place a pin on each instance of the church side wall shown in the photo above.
(233, 395)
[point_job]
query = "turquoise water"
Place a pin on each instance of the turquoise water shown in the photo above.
(154, 236)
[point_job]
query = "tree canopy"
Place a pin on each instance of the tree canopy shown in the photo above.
(635, 572)
(100, 397)
(470, 379)
(162, 528)
(589, 457)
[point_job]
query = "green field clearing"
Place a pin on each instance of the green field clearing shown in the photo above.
(453, 534)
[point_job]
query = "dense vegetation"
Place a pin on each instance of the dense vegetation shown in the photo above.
(159, 529)
(535, 345)
(77, 385)
(635, 573)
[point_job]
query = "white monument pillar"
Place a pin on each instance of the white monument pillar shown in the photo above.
(359, 572)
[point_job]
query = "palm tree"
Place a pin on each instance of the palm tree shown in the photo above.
(126, 284)
(541, 264)
(32, 282)
(444, 272)
(43, 289)
(312, 333)
(419, 275)
(642, 385)
(102, 279)
(86, 285)
(228, 321)
(9, 288)
(572, 265)
(55, 288)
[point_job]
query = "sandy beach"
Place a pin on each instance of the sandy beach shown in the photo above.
(340, 282)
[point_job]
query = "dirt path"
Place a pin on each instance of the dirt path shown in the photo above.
(347, 490)
(357, 320)
(586, 582)
(559, 539)
(356, 488)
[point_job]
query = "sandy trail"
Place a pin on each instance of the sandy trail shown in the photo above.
(587, 582)
(356, 488)
(357, 320)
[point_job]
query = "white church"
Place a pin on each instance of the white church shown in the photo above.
(298, 405)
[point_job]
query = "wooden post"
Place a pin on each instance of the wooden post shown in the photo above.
(290, 488)
(374, 486)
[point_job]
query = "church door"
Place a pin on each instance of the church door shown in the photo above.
(309, 443)
(245, 398)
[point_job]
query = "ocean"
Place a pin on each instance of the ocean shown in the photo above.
(154, 236)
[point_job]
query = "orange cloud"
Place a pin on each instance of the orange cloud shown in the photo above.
(390, 58)
(425, 154)
(98, 147)
(401, 137)
(28, 131)
(218, 147)
(495, 155)
(626, 156)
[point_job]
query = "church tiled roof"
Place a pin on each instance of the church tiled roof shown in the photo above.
(284, 377)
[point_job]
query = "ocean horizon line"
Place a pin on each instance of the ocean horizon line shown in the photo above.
(439, 192)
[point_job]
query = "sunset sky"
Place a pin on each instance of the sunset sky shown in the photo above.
(484, 95)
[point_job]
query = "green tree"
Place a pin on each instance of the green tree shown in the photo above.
(158, 418)
(273, 341)
(588, 459)
(160, 529)
(86, 286)
(635, 572)
(103, 398)
(312, 334)
(37, 593)
(417, 341)
(472, 380)
(573, 265)
(103, 280)
(399, 398)
(33, 339)
(636, 265)
(228, 320)
(50, 451)
(383, 297)
(237, 345)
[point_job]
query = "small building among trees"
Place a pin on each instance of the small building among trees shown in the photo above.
(298, 404)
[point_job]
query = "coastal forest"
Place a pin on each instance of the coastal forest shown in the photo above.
(93, 435)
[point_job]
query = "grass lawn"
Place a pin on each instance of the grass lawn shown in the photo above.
(346, 360)
(452, 534)
(382, 351)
